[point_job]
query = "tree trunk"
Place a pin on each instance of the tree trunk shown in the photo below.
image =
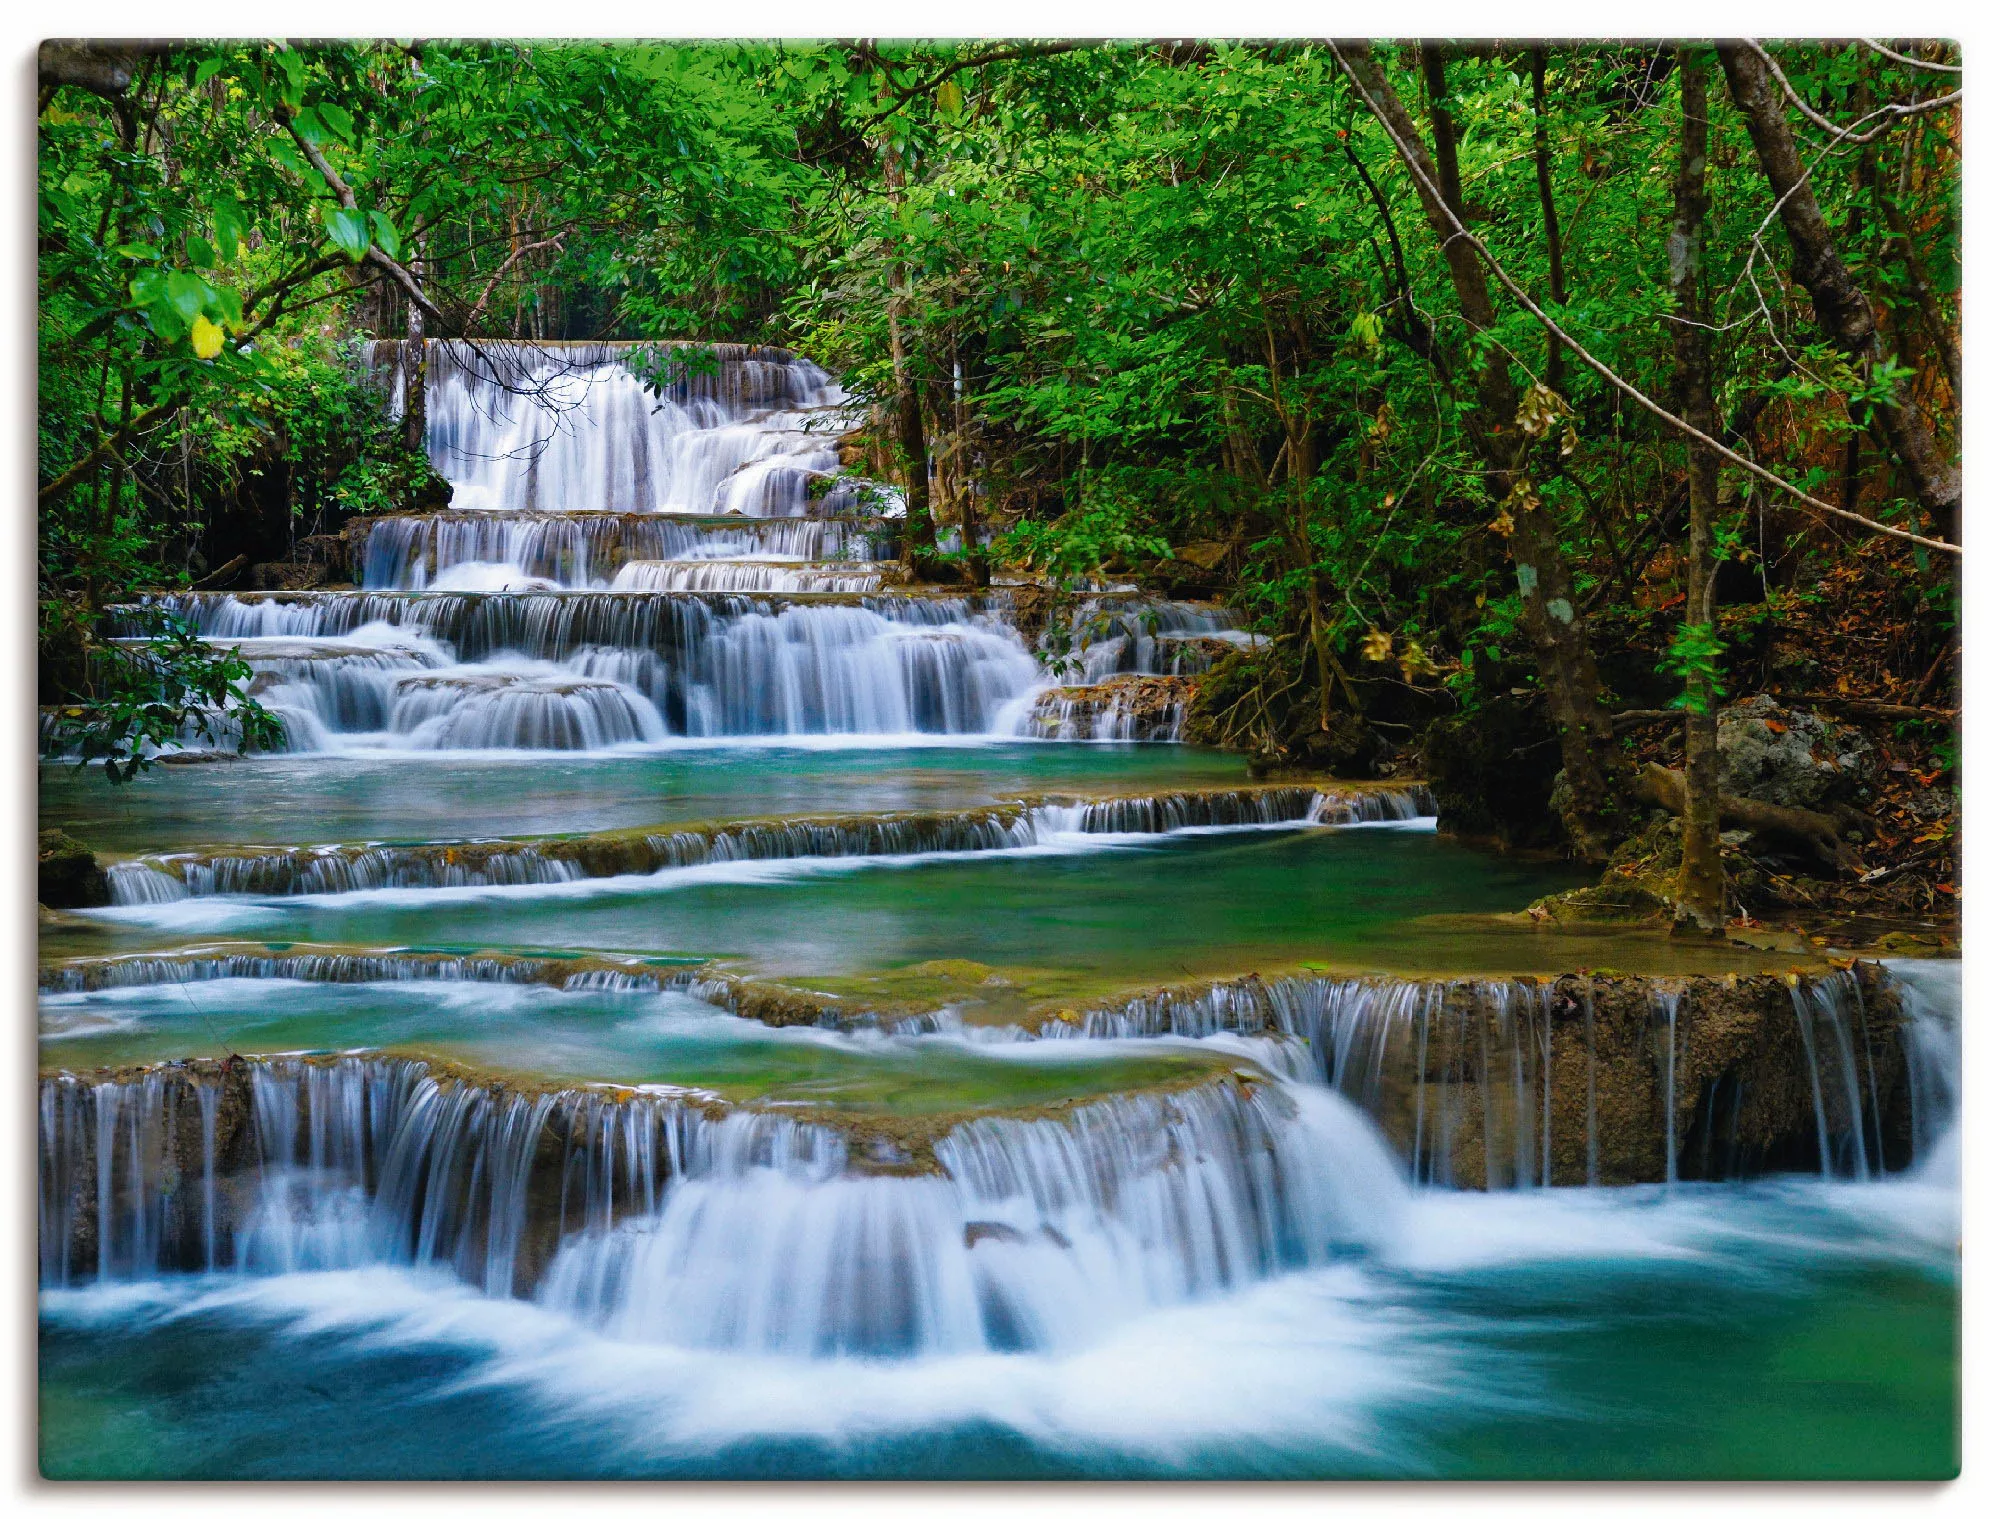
(1538, 60)
(415, 364)
(1700, 906)
(919, 531)
(976, 562)
(1594, 765)
(1843, 309)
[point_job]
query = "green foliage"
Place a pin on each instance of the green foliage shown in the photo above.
(171, 689)
(1144, 297)
(1695, 657)
(660, 368)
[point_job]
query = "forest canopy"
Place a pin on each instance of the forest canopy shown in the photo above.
(1534, 401)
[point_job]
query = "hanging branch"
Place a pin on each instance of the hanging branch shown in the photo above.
(1915, 63)
(374, 255)
(1604, 371)
(1895, 113)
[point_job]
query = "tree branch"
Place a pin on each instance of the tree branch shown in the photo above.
(1895, 113)
(903, 97)
(1915, 63)
(506, 264)
(375, 255)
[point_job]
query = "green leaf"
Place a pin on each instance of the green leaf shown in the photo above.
(288, 155)
(187, 294)
(339, 121)
(230, 226)
(226, 304)
(386, 237)
(208, 70)
(348, 231)
(292, 90)
(200, 254)
(310, 127)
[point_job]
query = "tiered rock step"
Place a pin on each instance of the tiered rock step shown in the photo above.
(1475, 1082)
(1127, 708)
(521, 1189)
(1011, 824)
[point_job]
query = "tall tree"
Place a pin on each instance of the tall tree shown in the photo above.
(1700, 903)
(1845, 314)
(1502, 426)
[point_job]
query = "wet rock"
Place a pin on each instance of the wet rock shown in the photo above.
(1139, 708)
(286, 577)
(67, 873)
(1791, 759)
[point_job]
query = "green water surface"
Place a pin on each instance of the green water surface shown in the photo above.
(399, 798)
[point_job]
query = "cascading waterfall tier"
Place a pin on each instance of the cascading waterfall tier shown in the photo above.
(668, 1216)
(585, 551)
(575, 426)
(1134, 636)
(1577, 1080)
(342, 966)
(744, 575)
(319, 869)
(569, 670)
(1123, 709)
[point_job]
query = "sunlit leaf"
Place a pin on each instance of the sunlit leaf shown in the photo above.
(207, 338)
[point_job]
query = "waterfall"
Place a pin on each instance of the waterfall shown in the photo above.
(664, 1217)
(342, 967)
(312, 870)
(1123, 709)
(742, 575)
(624, 565)
(1667, 1000)
(1514, 1083)
(1108, 638)
(584, 670)
(588, 551)
(572, 427)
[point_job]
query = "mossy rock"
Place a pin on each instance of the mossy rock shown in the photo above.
(1619, 903)
(67, 873)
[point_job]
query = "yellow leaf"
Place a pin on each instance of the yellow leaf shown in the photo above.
(207, 338)
(1376, 644)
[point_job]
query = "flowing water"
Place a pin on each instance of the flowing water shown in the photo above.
(678, 1010)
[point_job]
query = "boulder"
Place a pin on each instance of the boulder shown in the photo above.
(1769, 753)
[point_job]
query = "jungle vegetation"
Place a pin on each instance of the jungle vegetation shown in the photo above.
(1536, 400)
